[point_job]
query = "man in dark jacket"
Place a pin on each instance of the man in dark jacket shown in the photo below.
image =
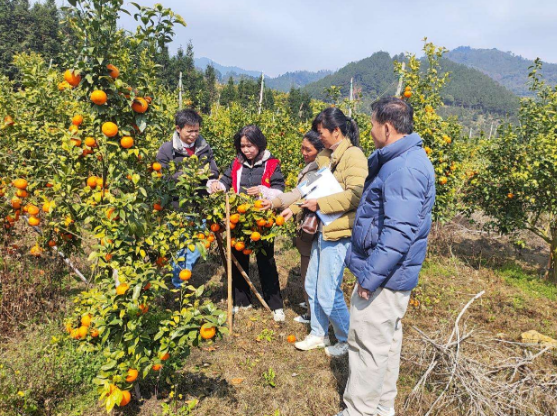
(185, 143)
(389, 242)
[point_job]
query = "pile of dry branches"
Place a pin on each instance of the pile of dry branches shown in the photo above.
(468, 373)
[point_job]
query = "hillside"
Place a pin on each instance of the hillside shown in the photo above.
(506, 68)
(374, 76)
(295, 79)
(225, 71)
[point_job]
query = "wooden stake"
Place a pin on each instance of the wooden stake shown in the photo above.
(261, 92)
(229, 263)
(399, 88)
(242, 272)
(180, 92)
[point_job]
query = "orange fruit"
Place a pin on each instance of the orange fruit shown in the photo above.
(113, 71)
(139, 105)
(75, 334)
(86, 320)
(235, 218)
(232, 225)
(75, 141)
(242, 209)
(443, 180)
(157, 206)
(447, 139)
(201, 236)
(165, 356)
(157, 367)
(33, 221)
(126, 397)
(51, 243)
(72, 78)
(32, 209)
(211, 238)
(280, 220)
(9, 121)
(77, 120)
(161, 261)
(21, 193)
(262, 222)
(108, 257)
(94, 333)
(247, 251)
(90, 141)
(207, 244)
(144, 308)
(207, 332)
(147, 286)
(258, 204)
(407, 94)
(427, 150)
(215, 228)
(157, 166)
(46, 207)
(92, 181)
(255, 236)
(126, 142)
(20, 183)
(232, 242)
(185, 274)
(16, 203)
(98, 97)
(510, 195)
(122, 288)
(109, 129)
(291, 339)
(132, 375)
(82, 331)
(240, 246)
(269, 223)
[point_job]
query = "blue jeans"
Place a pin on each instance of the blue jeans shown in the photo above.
(190, 258)
(323, 286)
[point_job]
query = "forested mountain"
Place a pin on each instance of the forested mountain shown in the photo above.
(374, 76)
(506, 68)
(225, 71)
(295, 79)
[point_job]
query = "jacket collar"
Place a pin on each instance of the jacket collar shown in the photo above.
(392, 151)
(329, 158)
(261, 158)
(178, 145)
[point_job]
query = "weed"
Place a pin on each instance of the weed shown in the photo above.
(269, 377)
(266, 335)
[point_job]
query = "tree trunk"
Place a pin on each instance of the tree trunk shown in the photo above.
(552, 272)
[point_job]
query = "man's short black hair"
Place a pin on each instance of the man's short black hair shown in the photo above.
(395, 111)
(187, 117)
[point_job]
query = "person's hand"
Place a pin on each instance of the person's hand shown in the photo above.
(253, 191)
(311, 204)
(215, 187)
(266, 204)
(287, 214)
(364, 293)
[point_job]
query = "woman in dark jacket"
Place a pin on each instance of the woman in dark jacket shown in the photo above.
(255, 172)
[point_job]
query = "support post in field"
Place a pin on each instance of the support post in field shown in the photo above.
(261, 92)
(399, 88)
(180, 91)
(229, 263)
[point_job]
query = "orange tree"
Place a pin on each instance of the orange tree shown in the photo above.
(423, 83)
(515, 186)
(77, 149)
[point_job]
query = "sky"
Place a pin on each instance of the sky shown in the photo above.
(289, 35)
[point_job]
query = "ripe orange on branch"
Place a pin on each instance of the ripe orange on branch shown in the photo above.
(139, 105)
(113, 71)
(91, 142)
(77, 120)
(132, 375)
(126, 142)
(122, 289)
(109, 129)
(207, 332)
(126, 397)
(20, 183)
(185, 275)
(99, 97)
(72, 78)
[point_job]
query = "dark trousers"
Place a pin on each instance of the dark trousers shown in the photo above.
(268, 276)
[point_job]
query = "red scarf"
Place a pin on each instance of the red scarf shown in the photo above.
(270, 167)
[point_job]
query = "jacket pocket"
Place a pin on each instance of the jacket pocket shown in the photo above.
(370, 236)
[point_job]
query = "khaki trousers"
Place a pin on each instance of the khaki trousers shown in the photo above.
(375, 341)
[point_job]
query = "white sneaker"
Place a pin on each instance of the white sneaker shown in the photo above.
(303, 319)
(385, 411)
(237, 309)
(338, 350)
(303, 305)
(311, 342)
(278, 315)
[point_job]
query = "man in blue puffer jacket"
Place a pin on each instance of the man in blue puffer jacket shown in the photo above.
(389, 242)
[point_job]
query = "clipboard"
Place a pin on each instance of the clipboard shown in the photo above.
(321, 184)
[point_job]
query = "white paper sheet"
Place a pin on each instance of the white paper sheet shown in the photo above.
(321, 184)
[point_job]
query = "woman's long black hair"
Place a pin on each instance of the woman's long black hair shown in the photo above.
(332, 117)
(254, 136)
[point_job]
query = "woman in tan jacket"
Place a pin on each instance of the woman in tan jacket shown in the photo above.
(339, 134)
(311, 146)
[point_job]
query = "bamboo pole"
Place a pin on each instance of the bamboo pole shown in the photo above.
(242, 272)
(399, 88)
(180, 92)
(261, 92)
(229, 264)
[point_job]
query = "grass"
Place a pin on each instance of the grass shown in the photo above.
(256, 371)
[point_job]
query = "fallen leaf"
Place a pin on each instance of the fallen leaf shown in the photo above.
(236, 381)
